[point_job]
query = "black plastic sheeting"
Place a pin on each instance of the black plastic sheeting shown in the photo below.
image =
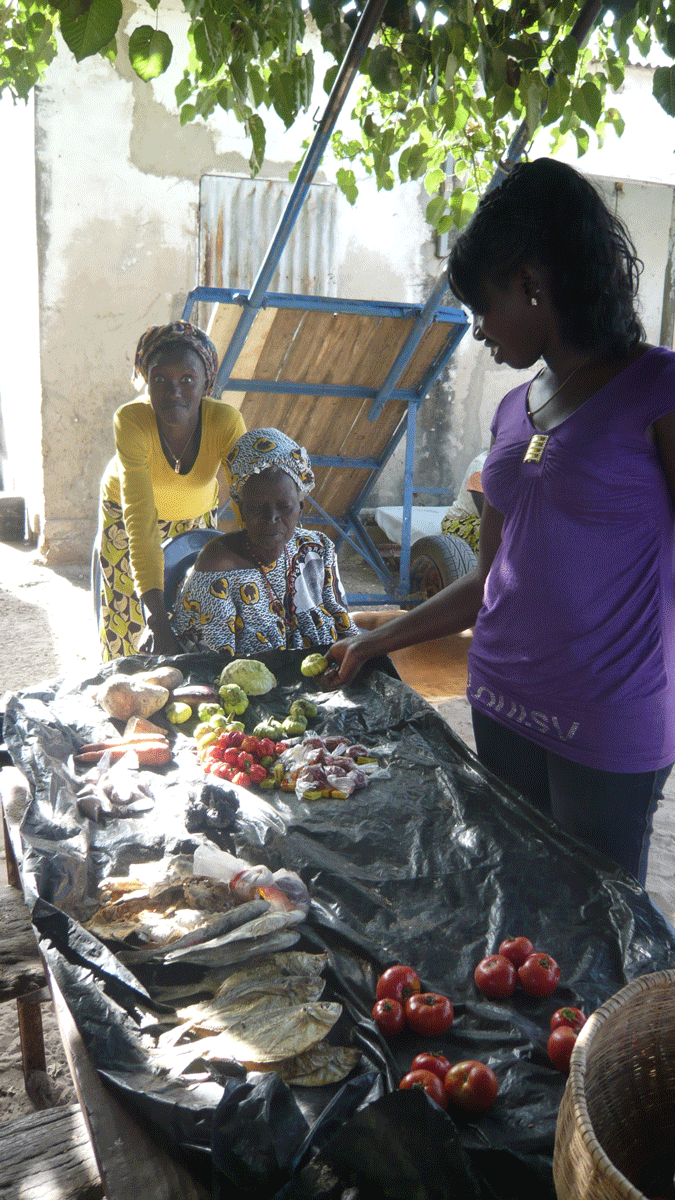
(432, 866)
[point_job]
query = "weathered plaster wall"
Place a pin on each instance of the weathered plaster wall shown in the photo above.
(117, 228)
(117, 231)
(20, 388)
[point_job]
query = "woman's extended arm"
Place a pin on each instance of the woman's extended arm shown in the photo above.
(450, 611)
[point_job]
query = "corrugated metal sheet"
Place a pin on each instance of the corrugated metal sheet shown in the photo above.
(237, 219)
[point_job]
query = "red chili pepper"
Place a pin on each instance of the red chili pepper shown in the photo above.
(242, 778)
(244, 761)
(231, 756)
(257, 773)
(267, 749)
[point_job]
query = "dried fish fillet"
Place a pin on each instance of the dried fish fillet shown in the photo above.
(237, 952)
(260, 1038)
(219, 1013)
(259, 927)
(318, 1067)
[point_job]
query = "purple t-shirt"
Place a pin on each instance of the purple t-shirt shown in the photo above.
(574, 647)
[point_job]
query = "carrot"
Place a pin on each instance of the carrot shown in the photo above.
(150, 753)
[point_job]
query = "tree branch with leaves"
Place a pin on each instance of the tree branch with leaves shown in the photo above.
(443, 87)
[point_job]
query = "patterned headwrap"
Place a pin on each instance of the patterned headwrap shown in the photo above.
(258, 450)
(181, 333)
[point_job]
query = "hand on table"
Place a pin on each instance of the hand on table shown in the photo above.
(346, 658)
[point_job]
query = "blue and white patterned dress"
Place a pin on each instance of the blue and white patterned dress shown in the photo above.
(297, 602)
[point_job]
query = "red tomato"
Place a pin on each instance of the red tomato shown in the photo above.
(397, 983)
(250, 744)
(242, 778)
(539, 974)
(429, 1082)
(244, 761)
(496, 977)
(472, 1086)
(572, 1017)
(560, 1046)
(431, 1060)
(257, 773)
(231, 756)
(221, 770)
(232, 737)
(517, 949)
(389, 1017)
(429, 1013)
(267, 749)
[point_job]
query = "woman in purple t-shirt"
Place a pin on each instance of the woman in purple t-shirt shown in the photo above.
(572, 664)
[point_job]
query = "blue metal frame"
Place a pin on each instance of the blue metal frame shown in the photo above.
(350, 525)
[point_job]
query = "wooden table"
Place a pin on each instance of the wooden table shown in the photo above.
(130, 1162)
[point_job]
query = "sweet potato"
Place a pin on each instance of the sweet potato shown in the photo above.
(150, 754)
(136, 725)
(131, 742)
(123, 696)
(168, 677)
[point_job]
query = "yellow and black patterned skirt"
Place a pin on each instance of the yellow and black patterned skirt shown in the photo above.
(121, 620)
(466, 527)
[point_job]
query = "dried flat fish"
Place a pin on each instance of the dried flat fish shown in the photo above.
(237, 952)
(258, 1038)
(274, 966)
(213, 1015)
(259, 927)
(318, 1067)
(160, 914)
(234, 918)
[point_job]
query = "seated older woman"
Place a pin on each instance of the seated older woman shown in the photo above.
(271, 584)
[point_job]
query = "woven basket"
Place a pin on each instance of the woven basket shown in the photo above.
(616, 1123)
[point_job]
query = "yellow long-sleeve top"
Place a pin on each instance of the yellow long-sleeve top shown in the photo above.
(142, 481)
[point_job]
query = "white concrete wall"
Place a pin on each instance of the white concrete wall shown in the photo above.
(116, 227)
(117, 230)
(20, 408)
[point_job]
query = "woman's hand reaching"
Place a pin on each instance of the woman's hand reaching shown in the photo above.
(346, 658)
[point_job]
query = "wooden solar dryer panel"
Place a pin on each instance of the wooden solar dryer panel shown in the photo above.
(320, 369)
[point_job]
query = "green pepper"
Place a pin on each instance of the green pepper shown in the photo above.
(313, 664)
(294, 726)
(177, 713)
(234, 698)
(303, 708)
(208, 708)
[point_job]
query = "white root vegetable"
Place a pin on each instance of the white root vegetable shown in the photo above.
(168, 677)
(127, 696)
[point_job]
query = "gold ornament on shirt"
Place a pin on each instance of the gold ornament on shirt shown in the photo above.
(177, 461)
(538, 442)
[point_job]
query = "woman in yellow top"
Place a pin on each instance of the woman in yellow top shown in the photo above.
(162, 481)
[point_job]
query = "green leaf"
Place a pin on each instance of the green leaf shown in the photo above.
(238, 76)
(462, 205)
(503, 101)
(183, 90)
(256, 131)
(435, 209)
(663, 88)
(150, 51)
(582, 141)
(451, 66)
(383, 69)
(534, 101)
(346, 181)
(593, 100)
(329, 78)
(435, 179)
(86, 32)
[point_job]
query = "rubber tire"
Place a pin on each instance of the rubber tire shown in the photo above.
(438, 561)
